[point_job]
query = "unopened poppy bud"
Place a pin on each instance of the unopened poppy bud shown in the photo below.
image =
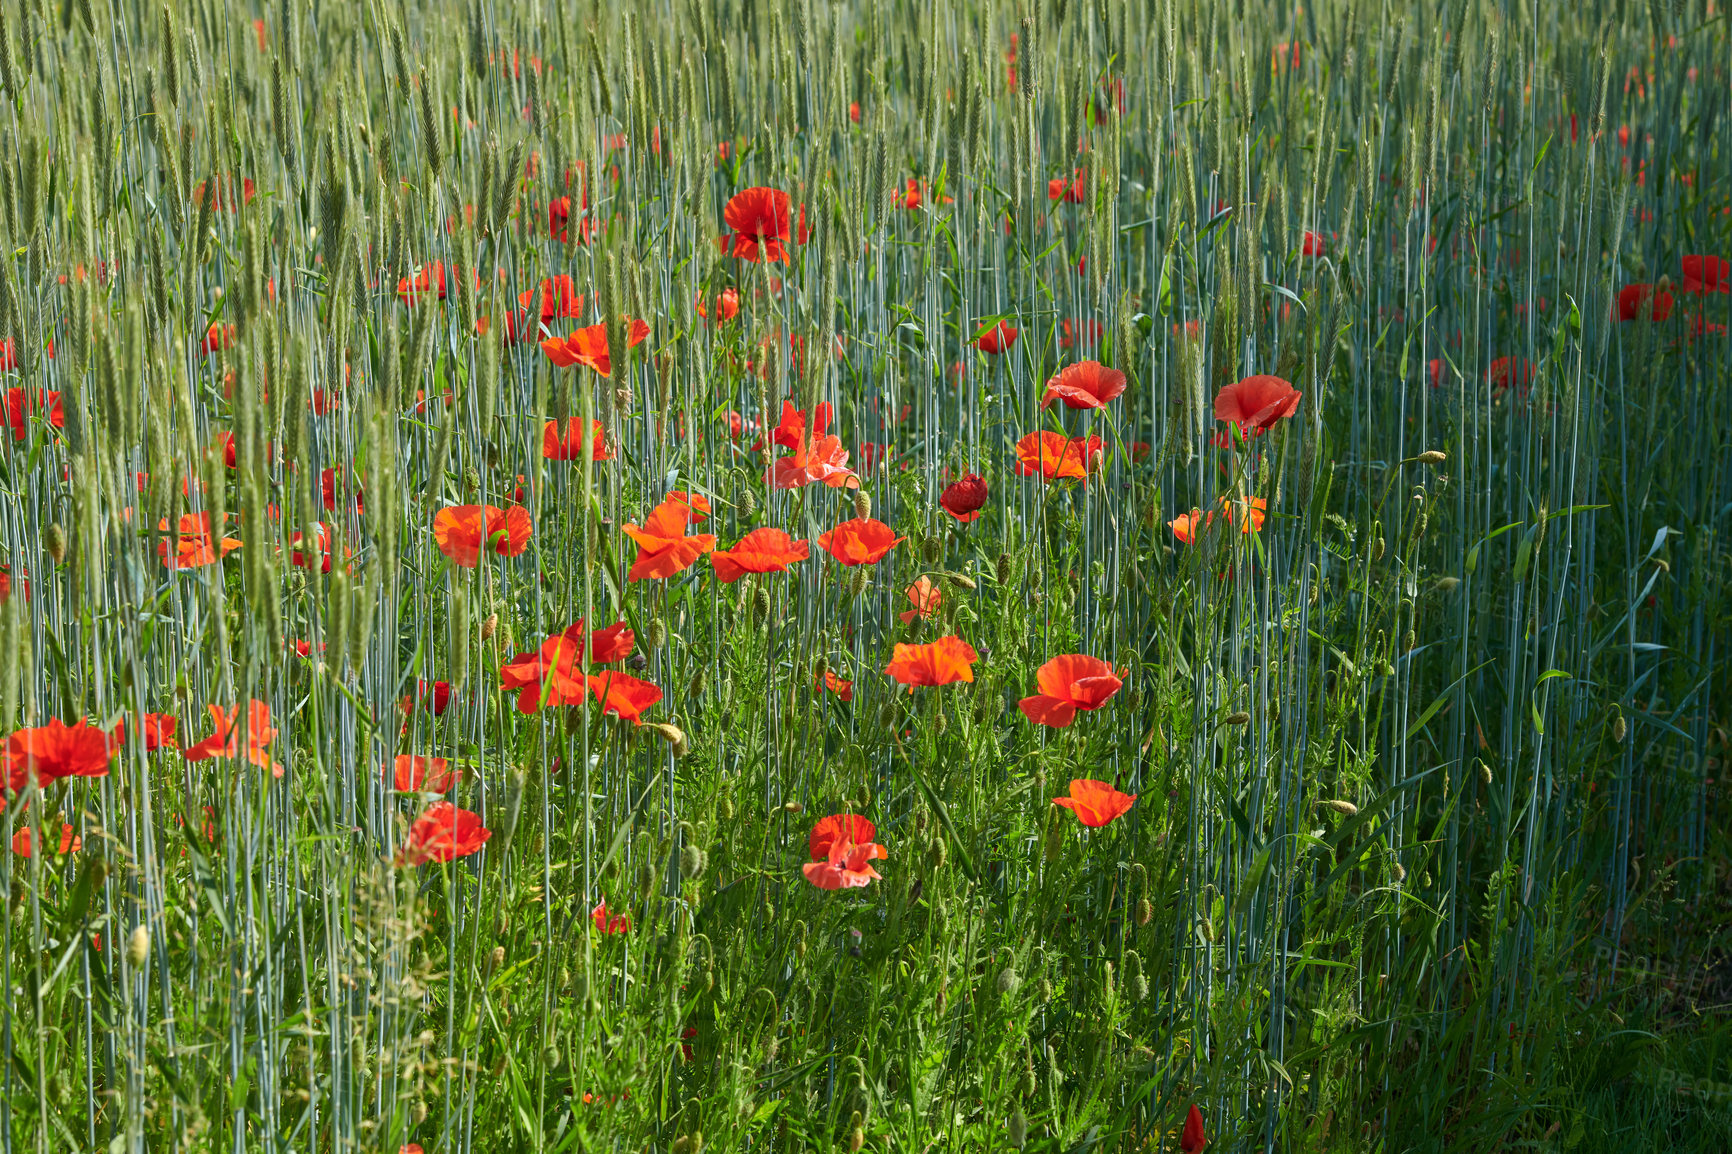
(1029, 1084)
(1400, 872)
(1377, 549)
(861, 579)
(1619, 728)
(1407, 641)
(696, 688)
(656, 635)
(931, 549)
(760, 606)
(1017, 1128)
(672, 734)
(938, 853)
(1208, 930)
(962, 582)
(419, 1111)
(864, 797)
(1107, 977)
(793, 806)
(496, 959)
(725, 808)
(862, 504)
(1003, 568)
(1447, 584)
(939, 724)
(691, 862)
(138, 945)
(1484, 773)
(1238, 718)
(1054, 838)
(54, 542)
(1009, 981)
(489, 627)
(1045, 989)
(1145, 911)
(1344, 808)
(800, 939)
(856, 1139)
(1433, 457)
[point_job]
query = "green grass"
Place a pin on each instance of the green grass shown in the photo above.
(1502, 665)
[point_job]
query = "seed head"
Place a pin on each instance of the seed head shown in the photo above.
(138, 945)
(1344, 808)
(1238, 718)
(1433, 457)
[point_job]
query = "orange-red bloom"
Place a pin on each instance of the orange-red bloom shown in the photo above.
(726, 306)
(1067, 684)
(566, 444)
(760, 551)
(1192, 1139)
(21, 844)
(226, 740)
(860, 541)
(847, 827)
(58, 750)
(1248, 514)
(1312, 244)
(997, 339)
(588, 346)
(696, 502)
(622, 695)
(1638, 299)
(18, 404)
(557, 673)
(1085, 385)
(421, 774)
(1056, 457)
(444, 833)
(434, 696)
(429, 281)
(1256, 403)
(1707, 274)
(462, 531)
(925, 597)
(940, 662)
(846, 864)
(1186, 525)
(195, 545)
(609, 923)
(760, 218)
(844, 690)
(555, 299)
(964, 499)
(663, 548)
(1095, 802)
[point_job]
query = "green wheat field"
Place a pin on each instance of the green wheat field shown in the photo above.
(799, 575)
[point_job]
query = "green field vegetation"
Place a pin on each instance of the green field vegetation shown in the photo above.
(1416, 666)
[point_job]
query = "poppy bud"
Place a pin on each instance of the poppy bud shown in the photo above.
(1345, 808)
(1054, 836)
(962, 582)
(856, 1139)
(1237, 718)
(1018, 1128)
(793, 806)
(1003, 568)
(931, 549)
(800, 939)
(1145, 911)
(938, 853)
(656, 635)
(1433, 457)
(1446, 584)
(862, 504)
(1619, 728)
(860, 580)
(691, 862)
(1029, 1085)
(696, 688)
(864, 797)
(760, 606)
(1400, 872)
(1377, 549)
(138, 945)
(1107, 974)
(1045, 989)
(725, 808)
(419, 1111)
(1208, 930)
(939, 725)
(1407, 641)
(54, 542)
(1485, 773)
(672, 734)
(496, 959)
(1009, 981)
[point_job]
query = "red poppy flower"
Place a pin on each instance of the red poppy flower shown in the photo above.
(588, 346)
(1187, 525)
(760, 551)
(911, 198)
(822, 461)
(622, 695)
(58, 750)
(609, 923)
(1192, 1139)
(421, 774)
(1707, 274)
(559, 219)
(1067, 684)
(194, 546)
(1637, 299)
(860, 541)
(462, 531)
(434, 696)
(964, 499)
(939, 662)
(847, 827)
(218, 337)
(1507, 371)
(158, 731)
(696, 502)
(328, 491)
(557, 298)
(18, 404)
(663, 548)
(556, 674)
(225, 740)
(997, 339)
(428, 281)
(1095, 802)
(321, 540)
(1256, 403)
(854, 111)
(21, 844)
(565, 443)
(726, 306)
(444, 833)
(925, 597)
(1085, 385)
(846, 865)
(760, 218)
(1248, 514)
(1312, 245)
(844, 690)
(1055, 456)
(1059, 189)
(1087, 331)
